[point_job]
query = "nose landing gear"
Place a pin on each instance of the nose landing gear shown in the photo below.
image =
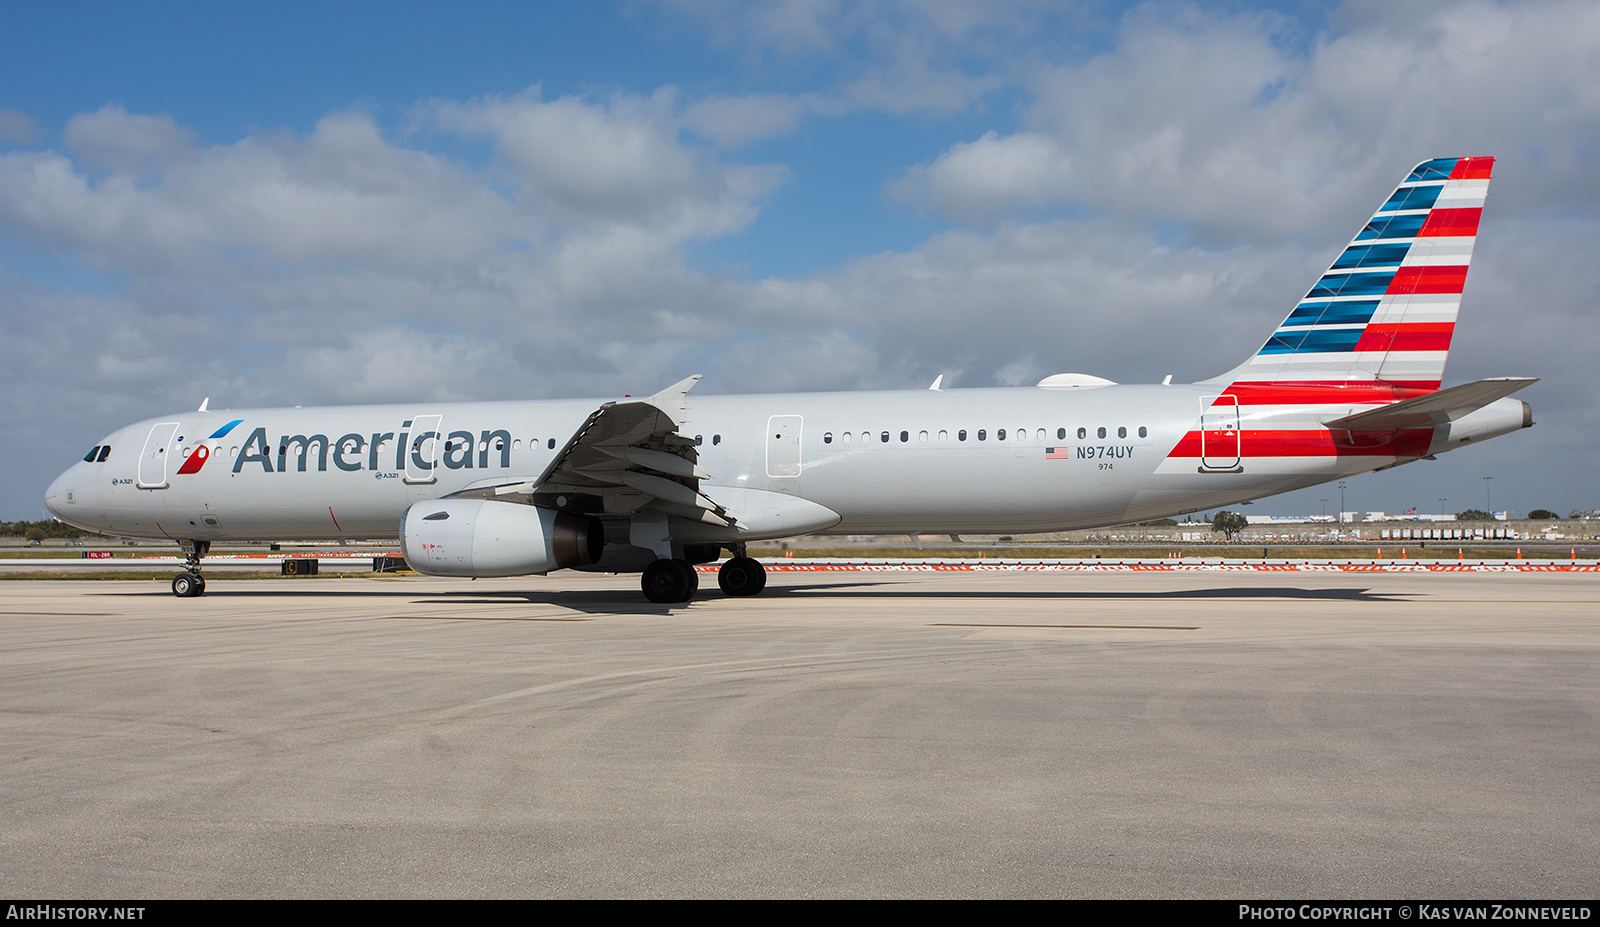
(190, 583)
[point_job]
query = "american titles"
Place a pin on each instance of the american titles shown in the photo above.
(462, 450)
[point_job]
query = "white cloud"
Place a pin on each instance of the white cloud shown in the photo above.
(114, 139)
(1214, 121)
(612, 160)
(613, 175)
(976, 181)
(389, 361)
(732, 121)
(896, 56)
(340, 194)
(340, 266)
(17, 128)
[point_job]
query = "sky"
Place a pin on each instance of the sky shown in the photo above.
(314, 203)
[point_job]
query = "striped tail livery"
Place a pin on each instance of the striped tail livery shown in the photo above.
(1349, 382)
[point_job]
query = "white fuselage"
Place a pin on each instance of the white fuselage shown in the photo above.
(982, 460)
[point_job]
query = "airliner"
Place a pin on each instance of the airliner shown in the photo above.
(1348, 383)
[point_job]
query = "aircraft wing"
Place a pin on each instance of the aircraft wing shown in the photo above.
(630, 455)
(1436, 408)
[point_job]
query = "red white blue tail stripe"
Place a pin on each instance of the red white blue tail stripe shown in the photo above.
(1373, 330)
(1384, 312)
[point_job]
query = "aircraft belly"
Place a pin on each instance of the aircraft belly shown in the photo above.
(250, 506)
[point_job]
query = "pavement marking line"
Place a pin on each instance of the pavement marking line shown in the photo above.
(460, 618)
(1095, 627)
(67, 614)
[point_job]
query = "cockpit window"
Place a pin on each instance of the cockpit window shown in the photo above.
(104, 453)
(93, 452)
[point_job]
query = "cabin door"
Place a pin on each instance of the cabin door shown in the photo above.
(153, 459)
(1219, 433)
(783, 445)
(422, 457)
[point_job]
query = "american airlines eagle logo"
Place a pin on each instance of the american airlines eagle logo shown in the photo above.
(202, 453)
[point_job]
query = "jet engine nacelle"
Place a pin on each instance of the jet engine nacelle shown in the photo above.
(475, 537)
(1497, 418)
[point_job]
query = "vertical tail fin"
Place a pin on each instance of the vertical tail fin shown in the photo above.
(1383, 314)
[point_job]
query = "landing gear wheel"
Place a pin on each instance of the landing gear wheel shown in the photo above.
(187, 585)
(190, 583)
(667, 581)
(742, 576)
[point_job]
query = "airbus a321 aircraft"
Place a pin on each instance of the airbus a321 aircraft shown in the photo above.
(1348, 383)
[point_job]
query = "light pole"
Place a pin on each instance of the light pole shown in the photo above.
(1486, 506)
(1441, 506)
(1341, 502)
(1324, 506)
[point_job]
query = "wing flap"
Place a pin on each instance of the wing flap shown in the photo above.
(631, 454)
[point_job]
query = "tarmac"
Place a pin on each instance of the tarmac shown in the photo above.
(896, 734)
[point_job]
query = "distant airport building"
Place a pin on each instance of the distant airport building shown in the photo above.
(1348, 518)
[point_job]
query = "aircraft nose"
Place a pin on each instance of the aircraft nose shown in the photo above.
(55, 497)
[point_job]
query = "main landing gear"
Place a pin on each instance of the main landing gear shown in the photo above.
(667, 581)
(742, 576)
(190, 583)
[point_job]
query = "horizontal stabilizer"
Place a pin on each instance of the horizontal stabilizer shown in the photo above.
(1446, 405)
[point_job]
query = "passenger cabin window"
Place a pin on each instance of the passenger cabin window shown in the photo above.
(827, 437)
(1083, 433)
(884, 437)
(1143, 432)
(982, 434)
(1061, 434)
(961, 435)
(1122, 432)
(905, 436)
(552, 444)
(1000, 434)
(1101, 432)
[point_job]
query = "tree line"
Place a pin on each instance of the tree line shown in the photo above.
(39, 530)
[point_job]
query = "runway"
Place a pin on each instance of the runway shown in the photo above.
(907, 734)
